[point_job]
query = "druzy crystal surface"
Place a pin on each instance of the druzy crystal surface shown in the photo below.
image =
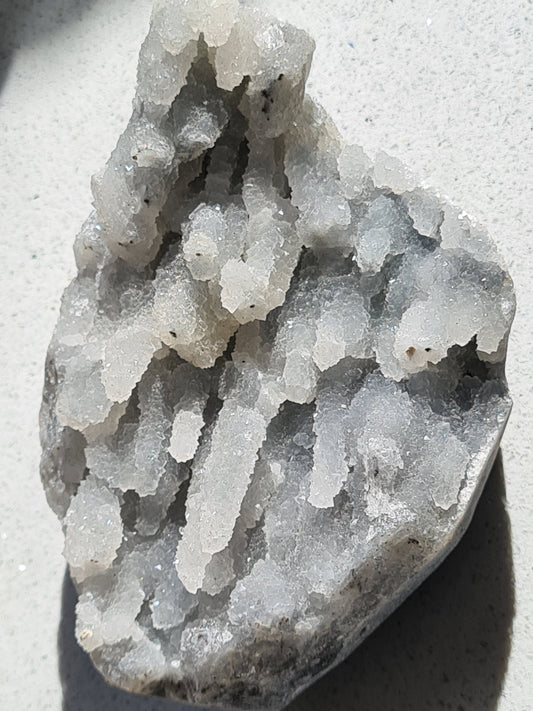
(276, 385)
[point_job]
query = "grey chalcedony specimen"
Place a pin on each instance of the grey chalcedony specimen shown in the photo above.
(277, 383)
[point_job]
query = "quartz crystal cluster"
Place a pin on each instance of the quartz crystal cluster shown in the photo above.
(276, 385)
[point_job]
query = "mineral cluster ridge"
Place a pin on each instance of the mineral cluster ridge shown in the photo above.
(276, 386)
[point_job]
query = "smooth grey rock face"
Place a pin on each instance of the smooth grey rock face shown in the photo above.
(276, 385)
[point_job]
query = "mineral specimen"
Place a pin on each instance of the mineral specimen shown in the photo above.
(276, 385)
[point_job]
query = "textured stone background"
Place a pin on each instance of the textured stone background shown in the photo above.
(443, 86)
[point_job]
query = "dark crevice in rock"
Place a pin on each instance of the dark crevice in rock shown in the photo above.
(129, 510)
(176, 511)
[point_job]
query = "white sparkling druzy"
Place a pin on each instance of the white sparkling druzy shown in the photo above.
(276, 383)
(93, 529)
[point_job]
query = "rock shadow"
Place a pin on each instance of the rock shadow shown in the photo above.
(24, 22)
(446, 647)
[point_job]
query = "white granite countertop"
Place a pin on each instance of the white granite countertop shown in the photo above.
(441, 85)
